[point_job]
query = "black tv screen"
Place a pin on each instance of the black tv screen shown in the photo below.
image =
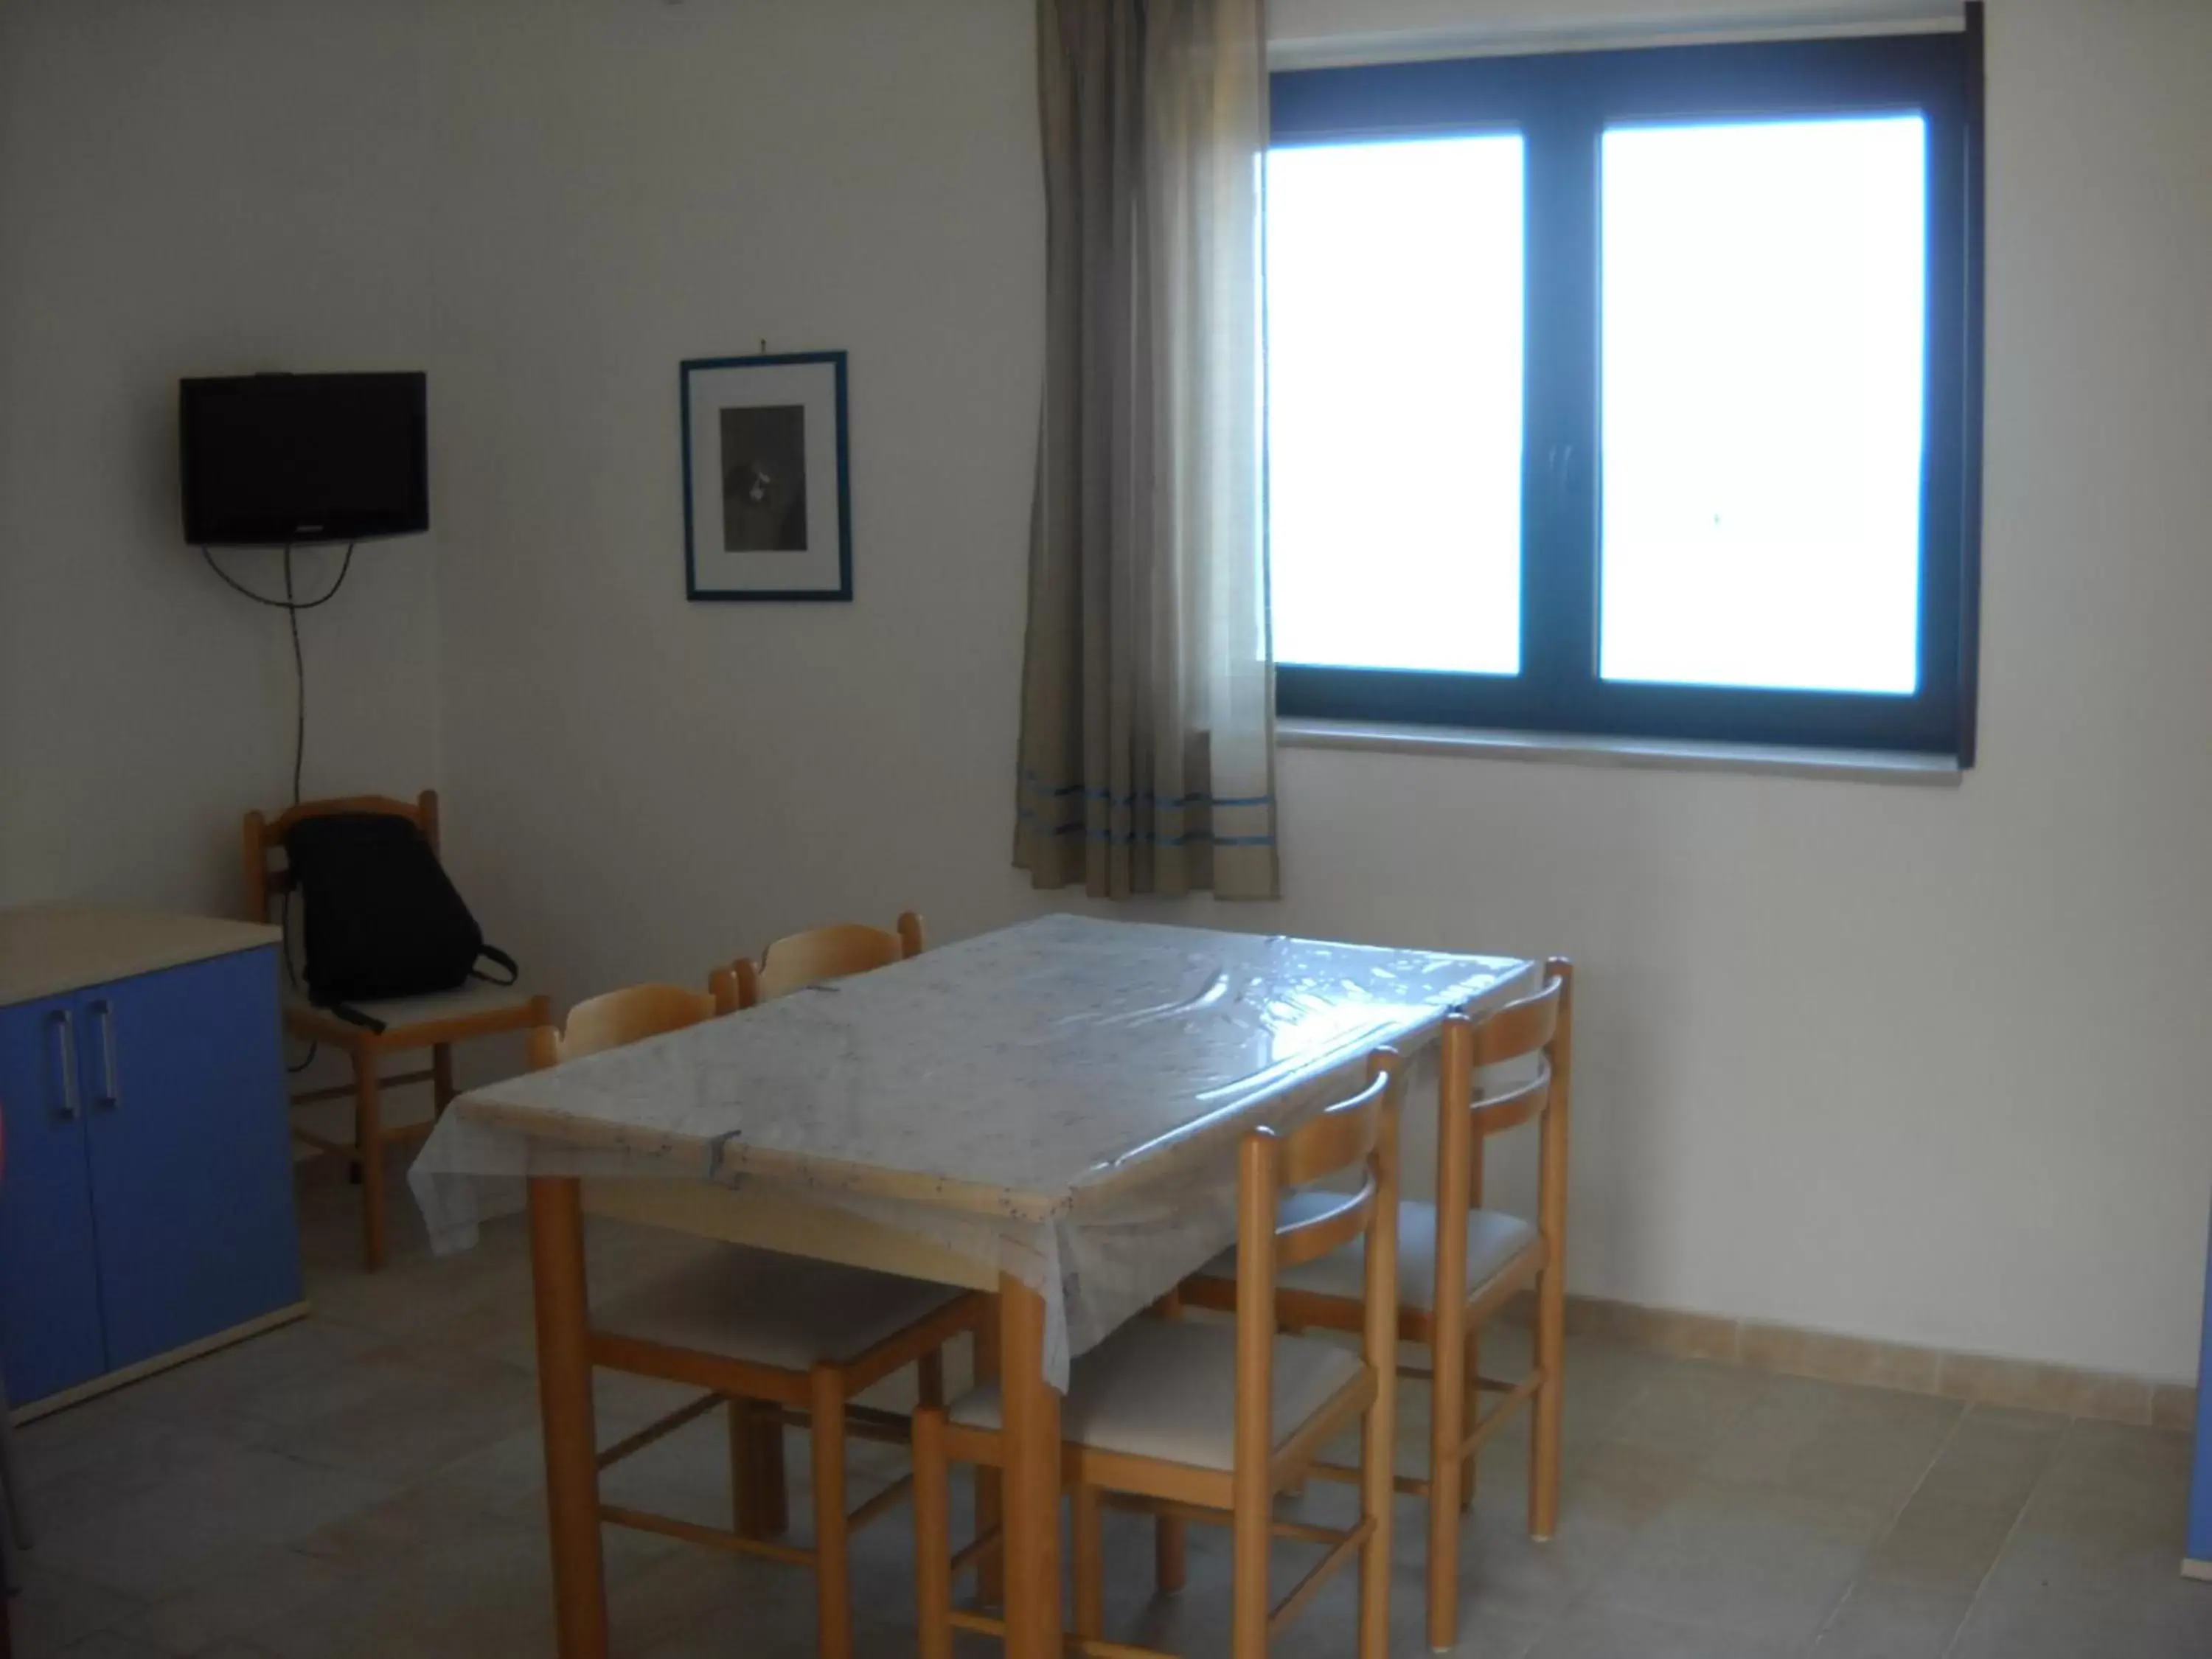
(283, 459)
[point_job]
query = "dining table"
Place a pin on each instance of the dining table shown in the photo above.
(1047, 1112)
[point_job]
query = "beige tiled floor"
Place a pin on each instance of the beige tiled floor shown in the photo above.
(367, 1485)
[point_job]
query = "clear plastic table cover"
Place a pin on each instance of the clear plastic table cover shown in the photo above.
(1055, 1101)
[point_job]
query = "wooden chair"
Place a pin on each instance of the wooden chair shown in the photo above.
(799, 960)
(1191, 1421)
(618, 1019)
(776, 1339)
(1445, 1295)
(411, 1023)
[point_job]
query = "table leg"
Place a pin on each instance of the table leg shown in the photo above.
(369, 1148)
(1031, 1496)
(564, 1397)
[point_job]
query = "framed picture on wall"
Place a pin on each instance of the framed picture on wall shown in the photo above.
(767, 498)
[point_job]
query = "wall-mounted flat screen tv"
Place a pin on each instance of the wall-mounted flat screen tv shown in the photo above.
(287, 459)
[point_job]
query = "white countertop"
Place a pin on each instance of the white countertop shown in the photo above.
(47, 950)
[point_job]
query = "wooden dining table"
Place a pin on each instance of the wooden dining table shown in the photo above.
(1047, 1112)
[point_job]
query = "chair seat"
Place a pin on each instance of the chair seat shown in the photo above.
(1168, 1391)
(1494, 1242)
(769, 1309)
(475, 1000)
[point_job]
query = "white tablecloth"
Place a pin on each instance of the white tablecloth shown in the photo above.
(1057, 1101)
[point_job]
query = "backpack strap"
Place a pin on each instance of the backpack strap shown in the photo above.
(499, 958)
(352, 1016)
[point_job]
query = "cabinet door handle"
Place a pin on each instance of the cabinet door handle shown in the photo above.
(64, 1027)
(111, 1091)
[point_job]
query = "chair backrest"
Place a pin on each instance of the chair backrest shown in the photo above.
(797, 960)
(264, 836)
(616, 1018)
(1358, 1133)
(1537, 1025)
(1541, 1024)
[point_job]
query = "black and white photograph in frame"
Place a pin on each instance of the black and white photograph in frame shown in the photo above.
(766, 493)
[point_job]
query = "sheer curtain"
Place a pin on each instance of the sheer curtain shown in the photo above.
(1147, 746)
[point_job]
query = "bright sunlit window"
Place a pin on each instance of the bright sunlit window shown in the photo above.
(1766, 284)
(1393, 404)
(1629, 393)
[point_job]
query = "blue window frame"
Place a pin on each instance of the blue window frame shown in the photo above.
(1735, 495)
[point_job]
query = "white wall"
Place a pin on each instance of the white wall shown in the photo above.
(1923, 1065)
(1911, 1064)
(210, 188)
(649, 786)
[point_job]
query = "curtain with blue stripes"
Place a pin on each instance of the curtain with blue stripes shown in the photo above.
(1147, 745)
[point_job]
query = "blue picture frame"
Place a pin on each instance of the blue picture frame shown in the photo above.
(699, 586)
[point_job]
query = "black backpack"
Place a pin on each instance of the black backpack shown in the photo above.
(383, 919)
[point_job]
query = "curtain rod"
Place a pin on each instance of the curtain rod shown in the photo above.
(1687, 28)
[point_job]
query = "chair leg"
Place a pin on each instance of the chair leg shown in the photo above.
(1378, 1493)
(933, 1535)
(1297, 1489)
(1471, 1409)
(1247, 1581)
(1544, 1428)
(762, 1502)
(1252, 1491)
(747, 1506)
(1459, 1178)
(1089, 1563)
(1471, 1413)
(929, 1378)
(775, 1491)
(1551, 1286)
(833, 1592)
(1170, 1554)
(442, 1077)
(368, 1147)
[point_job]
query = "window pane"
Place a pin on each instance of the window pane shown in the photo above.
(1393, 404)
(1764, 296)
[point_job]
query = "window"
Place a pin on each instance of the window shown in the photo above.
(1630, 392)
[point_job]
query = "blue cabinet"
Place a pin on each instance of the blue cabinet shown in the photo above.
(51, 1334)
(190, 1156)
(146, 1201)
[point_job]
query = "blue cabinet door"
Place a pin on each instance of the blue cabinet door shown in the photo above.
(190, 1153)
(50, 1313)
